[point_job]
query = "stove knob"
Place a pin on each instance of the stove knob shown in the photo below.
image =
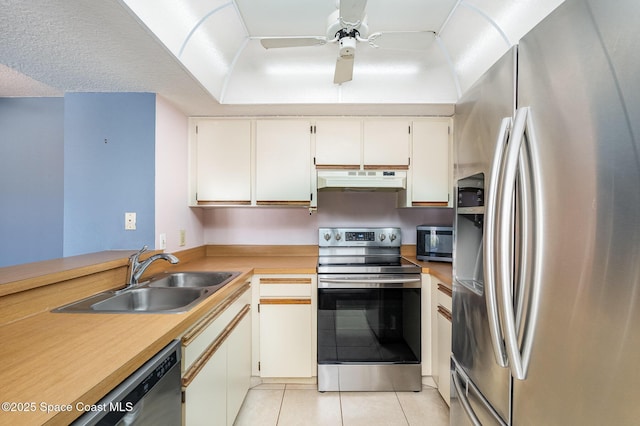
(327, 236)
(382, 237)
(338, 237)
(392, 237)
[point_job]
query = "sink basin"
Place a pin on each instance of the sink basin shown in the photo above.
(139, 300)
(150, 300)
(165, 293)
(192, 279)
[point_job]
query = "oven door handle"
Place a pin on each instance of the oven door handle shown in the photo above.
(378, 282)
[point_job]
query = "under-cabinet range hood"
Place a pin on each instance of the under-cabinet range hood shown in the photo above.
(362, 180)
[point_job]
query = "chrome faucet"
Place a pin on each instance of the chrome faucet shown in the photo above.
(137, 268)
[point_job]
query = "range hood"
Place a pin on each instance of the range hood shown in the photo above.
(362, 180)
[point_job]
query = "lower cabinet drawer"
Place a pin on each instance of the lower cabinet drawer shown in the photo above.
(285, 287)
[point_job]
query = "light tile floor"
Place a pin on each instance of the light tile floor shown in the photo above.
(290, 404)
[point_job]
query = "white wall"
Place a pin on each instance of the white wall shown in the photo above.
(172, 213)
(294, 226)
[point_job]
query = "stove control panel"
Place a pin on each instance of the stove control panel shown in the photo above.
(358, 237)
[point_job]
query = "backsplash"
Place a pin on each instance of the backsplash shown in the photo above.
(265, 226)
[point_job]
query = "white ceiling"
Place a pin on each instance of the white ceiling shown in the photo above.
(206, 56)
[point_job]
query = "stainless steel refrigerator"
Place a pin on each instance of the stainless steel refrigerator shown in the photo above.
(546, 289)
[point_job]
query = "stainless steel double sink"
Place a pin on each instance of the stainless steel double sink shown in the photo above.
(170, 292)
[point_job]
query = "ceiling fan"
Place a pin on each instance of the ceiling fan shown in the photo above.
(347, 26)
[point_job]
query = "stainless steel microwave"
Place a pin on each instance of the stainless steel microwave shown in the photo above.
(434, 243)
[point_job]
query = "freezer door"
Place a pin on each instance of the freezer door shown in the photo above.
(578, 75)
(468, 406)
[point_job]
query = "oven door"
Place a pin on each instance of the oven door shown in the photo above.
(369, 319)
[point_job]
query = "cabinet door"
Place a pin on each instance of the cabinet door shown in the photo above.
(205, 399)
(238, 367)
(425, 318)
(386, 143)
(283, 161)
(431, 163)
(434, 331)
(444, 355)
(285, 338)
(338, 143)
(223, 161)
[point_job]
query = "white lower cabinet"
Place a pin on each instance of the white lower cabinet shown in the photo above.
(425, 325)
(285, 344)
(238, 367)
(287, 326)
(444, 341)
(206, 396)
(217, 363)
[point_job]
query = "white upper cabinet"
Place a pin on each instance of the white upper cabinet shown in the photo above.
(271, 161)
(431, 165)
(283, 162)
(338, 143)
(223, 161)
(386, 143)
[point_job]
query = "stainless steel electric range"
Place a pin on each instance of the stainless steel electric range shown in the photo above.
(368, 312)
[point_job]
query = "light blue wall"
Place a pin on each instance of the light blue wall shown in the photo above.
(31, 179)
(109, 152)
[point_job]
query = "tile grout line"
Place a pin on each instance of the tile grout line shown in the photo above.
(281, 402)
(341, 411)
(402, 408)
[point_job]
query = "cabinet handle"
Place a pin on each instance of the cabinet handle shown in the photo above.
(285, 301)
(285, 281)
(195, 331)
(444, 289)
(199, 363)
(445, 313)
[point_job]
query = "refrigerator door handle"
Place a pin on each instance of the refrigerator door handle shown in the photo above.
(518, 360)
(462, 397)
(462, 392)
(489, 249)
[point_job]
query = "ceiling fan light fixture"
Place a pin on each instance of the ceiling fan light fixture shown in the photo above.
(347, 47)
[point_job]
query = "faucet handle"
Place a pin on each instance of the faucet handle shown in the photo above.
(137, 255)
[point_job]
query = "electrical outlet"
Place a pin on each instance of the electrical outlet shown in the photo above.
(130, 221)
(183, 237)
(163, 241)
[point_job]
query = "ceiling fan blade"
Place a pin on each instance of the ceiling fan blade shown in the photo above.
(344, 70)
(402, 40)
(352, 11)
(277, 42)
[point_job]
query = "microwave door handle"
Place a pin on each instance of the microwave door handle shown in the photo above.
(489, 248)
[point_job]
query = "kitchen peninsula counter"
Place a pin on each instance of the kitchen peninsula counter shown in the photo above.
(56, 364)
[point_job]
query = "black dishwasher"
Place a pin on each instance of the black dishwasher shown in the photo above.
(149, 396)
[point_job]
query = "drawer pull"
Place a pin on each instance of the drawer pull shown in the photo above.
(202, 360)
(214, 314)
(444, 289)
(444, 312)
(285, 281)
(285, 301)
